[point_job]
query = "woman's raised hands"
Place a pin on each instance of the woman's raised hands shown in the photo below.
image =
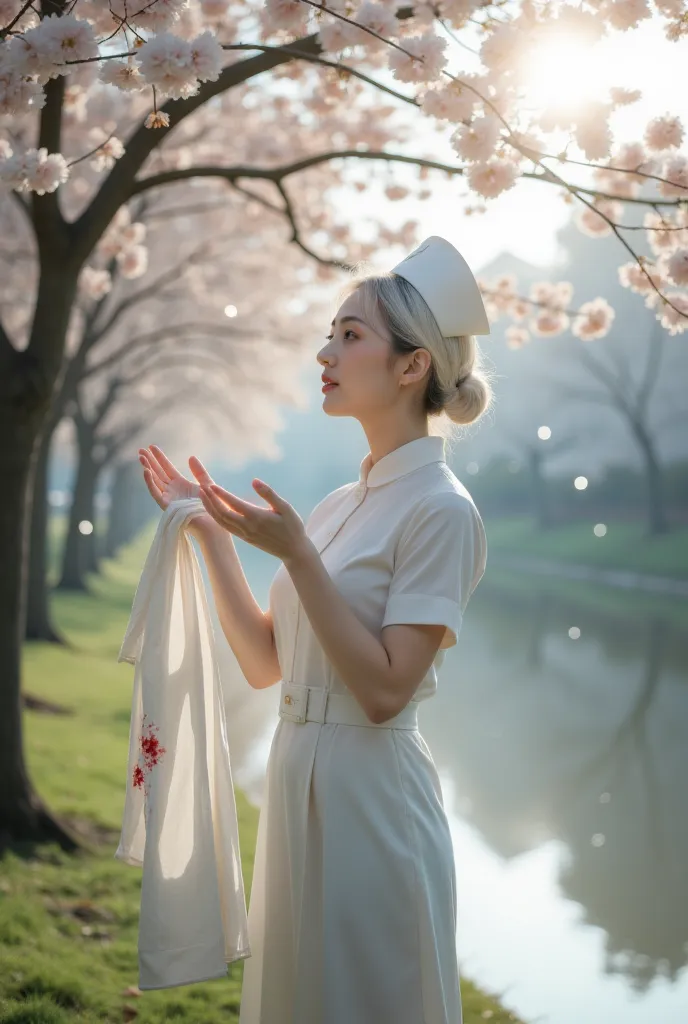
(163, 479)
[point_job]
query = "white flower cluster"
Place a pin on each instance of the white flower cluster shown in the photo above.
(175, 66)
(34, 170)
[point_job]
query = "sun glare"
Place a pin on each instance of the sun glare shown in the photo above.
(561, 73)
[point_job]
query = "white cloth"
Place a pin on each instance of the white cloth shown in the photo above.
(353, 908)
(180, 821)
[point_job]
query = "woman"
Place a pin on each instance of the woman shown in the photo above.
(352, 913)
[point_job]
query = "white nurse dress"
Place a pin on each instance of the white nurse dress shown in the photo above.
(352, 911)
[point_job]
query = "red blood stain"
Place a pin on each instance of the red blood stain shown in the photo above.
(150, 753)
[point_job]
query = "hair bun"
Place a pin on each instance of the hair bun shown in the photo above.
(470, 399)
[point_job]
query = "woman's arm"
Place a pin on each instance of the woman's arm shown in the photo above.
(248, 629)
(382, 675)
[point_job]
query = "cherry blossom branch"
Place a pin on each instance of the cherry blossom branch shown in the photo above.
(173, 331)
(335, 64)
(116, 187)
(528, 152)
(92, 152)
(4, 32)
(296, 237)
(168, 276)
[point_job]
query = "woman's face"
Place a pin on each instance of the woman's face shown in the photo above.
(357, 357)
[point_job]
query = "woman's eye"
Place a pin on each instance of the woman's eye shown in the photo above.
(329, 337)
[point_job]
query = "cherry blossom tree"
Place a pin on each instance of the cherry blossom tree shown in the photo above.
(103, 101)
(136, 330)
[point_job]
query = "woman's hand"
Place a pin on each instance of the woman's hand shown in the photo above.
(166, 483)
(279, 530)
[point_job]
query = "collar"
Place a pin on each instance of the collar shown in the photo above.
(401, 461)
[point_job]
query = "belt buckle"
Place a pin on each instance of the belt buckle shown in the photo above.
(294, 703)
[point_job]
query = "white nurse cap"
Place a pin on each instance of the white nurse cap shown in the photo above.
(446, 282)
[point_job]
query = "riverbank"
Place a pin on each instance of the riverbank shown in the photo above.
(623, 557)
(69, 926)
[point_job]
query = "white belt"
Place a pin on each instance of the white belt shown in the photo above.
(302, 703)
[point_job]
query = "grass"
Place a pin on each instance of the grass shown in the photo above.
(69, 925)
(624, 546)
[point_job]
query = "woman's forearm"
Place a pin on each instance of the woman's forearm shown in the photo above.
(243, 621)
(358, 657)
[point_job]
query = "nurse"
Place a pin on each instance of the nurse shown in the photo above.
(353, 912)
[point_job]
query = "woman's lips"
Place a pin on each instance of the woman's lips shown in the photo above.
(329, 386)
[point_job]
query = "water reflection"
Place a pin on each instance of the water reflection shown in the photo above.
(584, 742)
(564, 765)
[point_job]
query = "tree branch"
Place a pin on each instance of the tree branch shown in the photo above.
(116, 189)
(168, 276)
(172, 331)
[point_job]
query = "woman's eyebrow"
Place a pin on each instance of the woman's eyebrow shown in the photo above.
(345, 319)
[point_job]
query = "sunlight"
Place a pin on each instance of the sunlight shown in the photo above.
(563, 73)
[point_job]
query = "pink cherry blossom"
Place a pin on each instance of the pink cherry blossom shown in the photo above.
(593, 133)
(290, 15)
(165, 62)
(457, 12)
(671, 321)
(94, 283)
(18, 94)
(334, 33)
(631, 276)
(492, 178)
(125, 75)
(453, 101)
(677, 267)
(621, 97)
(430, 47)
(377, 17)
(516, 337)
(625, 14)
(133, 262)
(591, 223)
(676, 172)
(157, 119)
(547, 324)
(57, 39)
(664, 133)
(593, 320)
(661, 233)
(34, 170)
(502, 48)
(107, 153)
(477, 141)
(671, 8)
(207, 57)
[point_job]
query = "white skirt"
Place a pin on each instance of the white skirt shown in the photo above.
(352, 912)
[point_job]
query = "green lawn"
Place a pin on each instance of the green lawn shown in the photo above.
(624, 546)
(68, 925)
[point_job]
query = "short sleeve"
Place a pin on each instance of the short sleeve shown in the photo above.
(439, 561)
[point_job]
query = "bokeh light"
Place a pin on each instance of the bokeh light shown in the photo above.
(599, 529)
(230, 310)
(580, 483)
(544, 433)
(574, 632)
(85, 527)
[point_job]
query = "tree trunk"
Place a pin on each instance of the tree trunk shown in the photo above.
(539, 490)
(654, 484)
(38, 622)
(119, 514)
(77, 560)
(23, 816)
